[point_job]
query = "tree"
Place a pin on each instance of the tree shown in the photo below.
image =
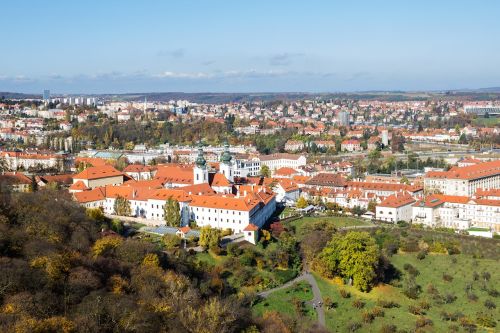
(209, 237)
(172, 213)
(122, 206)
(301, 203)
(372, 205)
(353, 255)
(264, 171)
(171, 241)
(463, 139)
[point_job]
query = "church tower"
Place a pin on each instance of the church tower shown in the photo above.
(200, 168)
(226, 165)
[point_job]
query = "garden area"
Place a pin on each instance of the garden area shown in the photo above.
(399, 279)
(449, 294)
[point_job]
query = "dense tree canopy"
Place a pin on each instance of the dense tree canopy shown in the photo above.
(353, 255)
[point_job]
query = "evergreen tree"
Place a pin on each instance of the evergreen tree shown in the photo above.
(172, 213)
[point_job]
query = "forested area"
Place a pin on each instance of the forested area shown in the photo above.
(60, 273)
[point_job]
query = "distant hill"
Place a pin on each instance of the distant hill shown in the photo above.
(14, 95)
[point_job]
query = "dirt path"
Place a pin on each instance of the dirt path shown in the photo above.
(315, 289)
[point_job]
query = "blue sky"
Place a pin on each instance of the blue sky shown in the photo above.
(248, 46)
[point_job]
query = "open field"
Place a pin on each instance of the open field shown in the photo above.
(451, 297)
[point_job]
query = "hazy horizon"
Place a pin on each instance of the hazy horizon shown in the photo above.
(226, 47)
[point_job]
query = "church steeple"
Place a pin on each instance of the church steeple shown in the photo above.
(226, 165)
(200, 160)
(226, 155)
(200, 171)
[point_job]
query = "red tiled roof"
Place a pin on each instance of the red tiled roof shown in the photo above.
(251, 227)
(98, 172)
(397, 200)
(480, 170)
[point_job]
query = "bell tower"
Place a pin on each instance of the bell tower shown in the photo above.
(200, 168)
(226, 165)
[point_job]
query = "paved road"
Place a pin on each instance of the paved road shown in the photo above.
(315, 289)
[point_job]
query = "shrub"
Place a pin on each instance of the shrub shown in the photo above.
(493, 292)
(451, 316)
(358, 304)
(388, 329)
(416, 310)
(467, 324)
(423, 322)
(431, 289)
(387, 304)
(486, 320)
(490, 304)
(449, 298)
(411, 289)
(472, 297)
(344, 293)
(353, 326)
(475, 276)
(368, 317)
(447, 277)
(424, 305)
(378, 312)
(421, 255)
(411, 270)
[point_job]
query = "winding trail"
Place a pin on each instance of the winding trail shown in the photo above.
(315, 289)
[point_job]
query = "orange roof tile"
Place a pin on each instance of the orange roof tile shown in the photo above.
(98, 172)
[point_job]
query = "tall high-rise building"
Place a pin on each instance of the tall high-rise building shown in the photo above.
(343, 118)
(46, 95)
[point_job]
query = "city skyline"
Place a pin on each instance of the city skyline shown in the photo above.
(192, 46)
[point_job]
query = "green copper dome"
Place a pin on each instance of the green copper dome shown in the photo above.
(226, 155)
(200, 160)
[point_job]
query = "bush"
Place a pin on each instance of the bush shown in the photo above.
(424, 305)
(378, 312)
(421, 255)
(387, 304)
(368, 317)
(493, 292)
(358, 304)
(233, 250)
(447, 277)
(388, 329)
(472, 297)
(423, 322)
(344, 293)
(353, 326)
(490, 304)
(467, 324)
(411, 289)
(411, 270)
(486, 320)
(449, 298)
(415, 310)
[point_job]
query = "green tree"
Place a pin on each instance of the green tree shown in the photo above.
(122, 206)
(264, 171)
(172, 213)
(301, 203)
(354, 255)
(209, 237)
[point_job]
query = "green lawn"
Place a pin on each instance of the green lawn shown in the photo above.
(209, 258)
(489, 122)
(283, 301)
(301, 224)
(431, 272)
